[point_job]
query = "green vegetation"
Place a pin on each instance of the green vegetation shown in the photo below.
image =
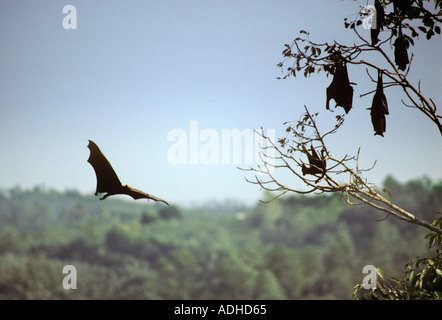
(292, 248)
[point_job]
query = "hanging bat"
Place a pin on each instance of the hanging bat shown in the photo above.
(340, 89)
(400, 51)
(317, 164)
(107, 179)
(402, 8)
(377, 22)
(379, 108)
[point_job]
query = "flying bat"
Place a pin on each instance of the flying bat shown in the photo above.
(379, 108)
(377, 22)
(107, 179)
(340, 89)
(317, 165)
(400, 52)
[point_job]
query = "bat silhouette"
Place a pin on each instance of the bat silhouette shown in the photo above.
(402, 8)
(379, 108)
(400, 52)
(377, 22)
(107, 179)
(340, 89)
(316, 164)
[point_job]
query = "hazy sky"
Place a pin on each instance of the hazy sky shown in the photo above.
(135, 72)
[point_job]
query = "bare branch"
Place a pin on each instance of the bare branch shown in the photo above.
(289, 157)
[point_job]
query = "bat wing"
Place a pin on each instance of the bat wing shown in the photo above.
(314, 158)
(330, 92)
(378, 112)
(340, 89)
(317, 165)
(107, 179)
(379, 98)
(384, 104)
(378, 19)
(400, 53)
(317, 162)
(137, 194)
(374, 36)
(379, 109)
(379, 123)
(347, 90)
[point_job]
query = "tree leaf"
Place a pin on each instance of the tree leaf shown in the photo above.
(387, 192)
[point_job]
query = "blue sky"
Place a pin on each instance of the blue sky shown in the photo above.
(133, 71)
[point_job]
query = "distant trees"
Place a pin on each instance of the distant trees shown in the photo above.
(170, 212)
(286, 265)
(299, 247)
(147, 217)
(268, 287)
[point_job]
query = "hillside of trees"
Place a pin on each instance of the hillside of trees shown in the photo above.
(298, 247)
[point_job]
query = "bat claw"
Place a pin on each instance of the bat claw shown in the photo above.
(105, 196)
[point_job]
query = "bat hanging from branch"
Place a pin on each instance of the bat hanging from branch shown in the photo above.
(317, 165)
(107, 179)
(340, 89)
(377, 22)
(379, 108)
(400, 51)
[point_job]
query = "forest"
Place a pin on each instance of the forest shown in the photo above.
(295, 247)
